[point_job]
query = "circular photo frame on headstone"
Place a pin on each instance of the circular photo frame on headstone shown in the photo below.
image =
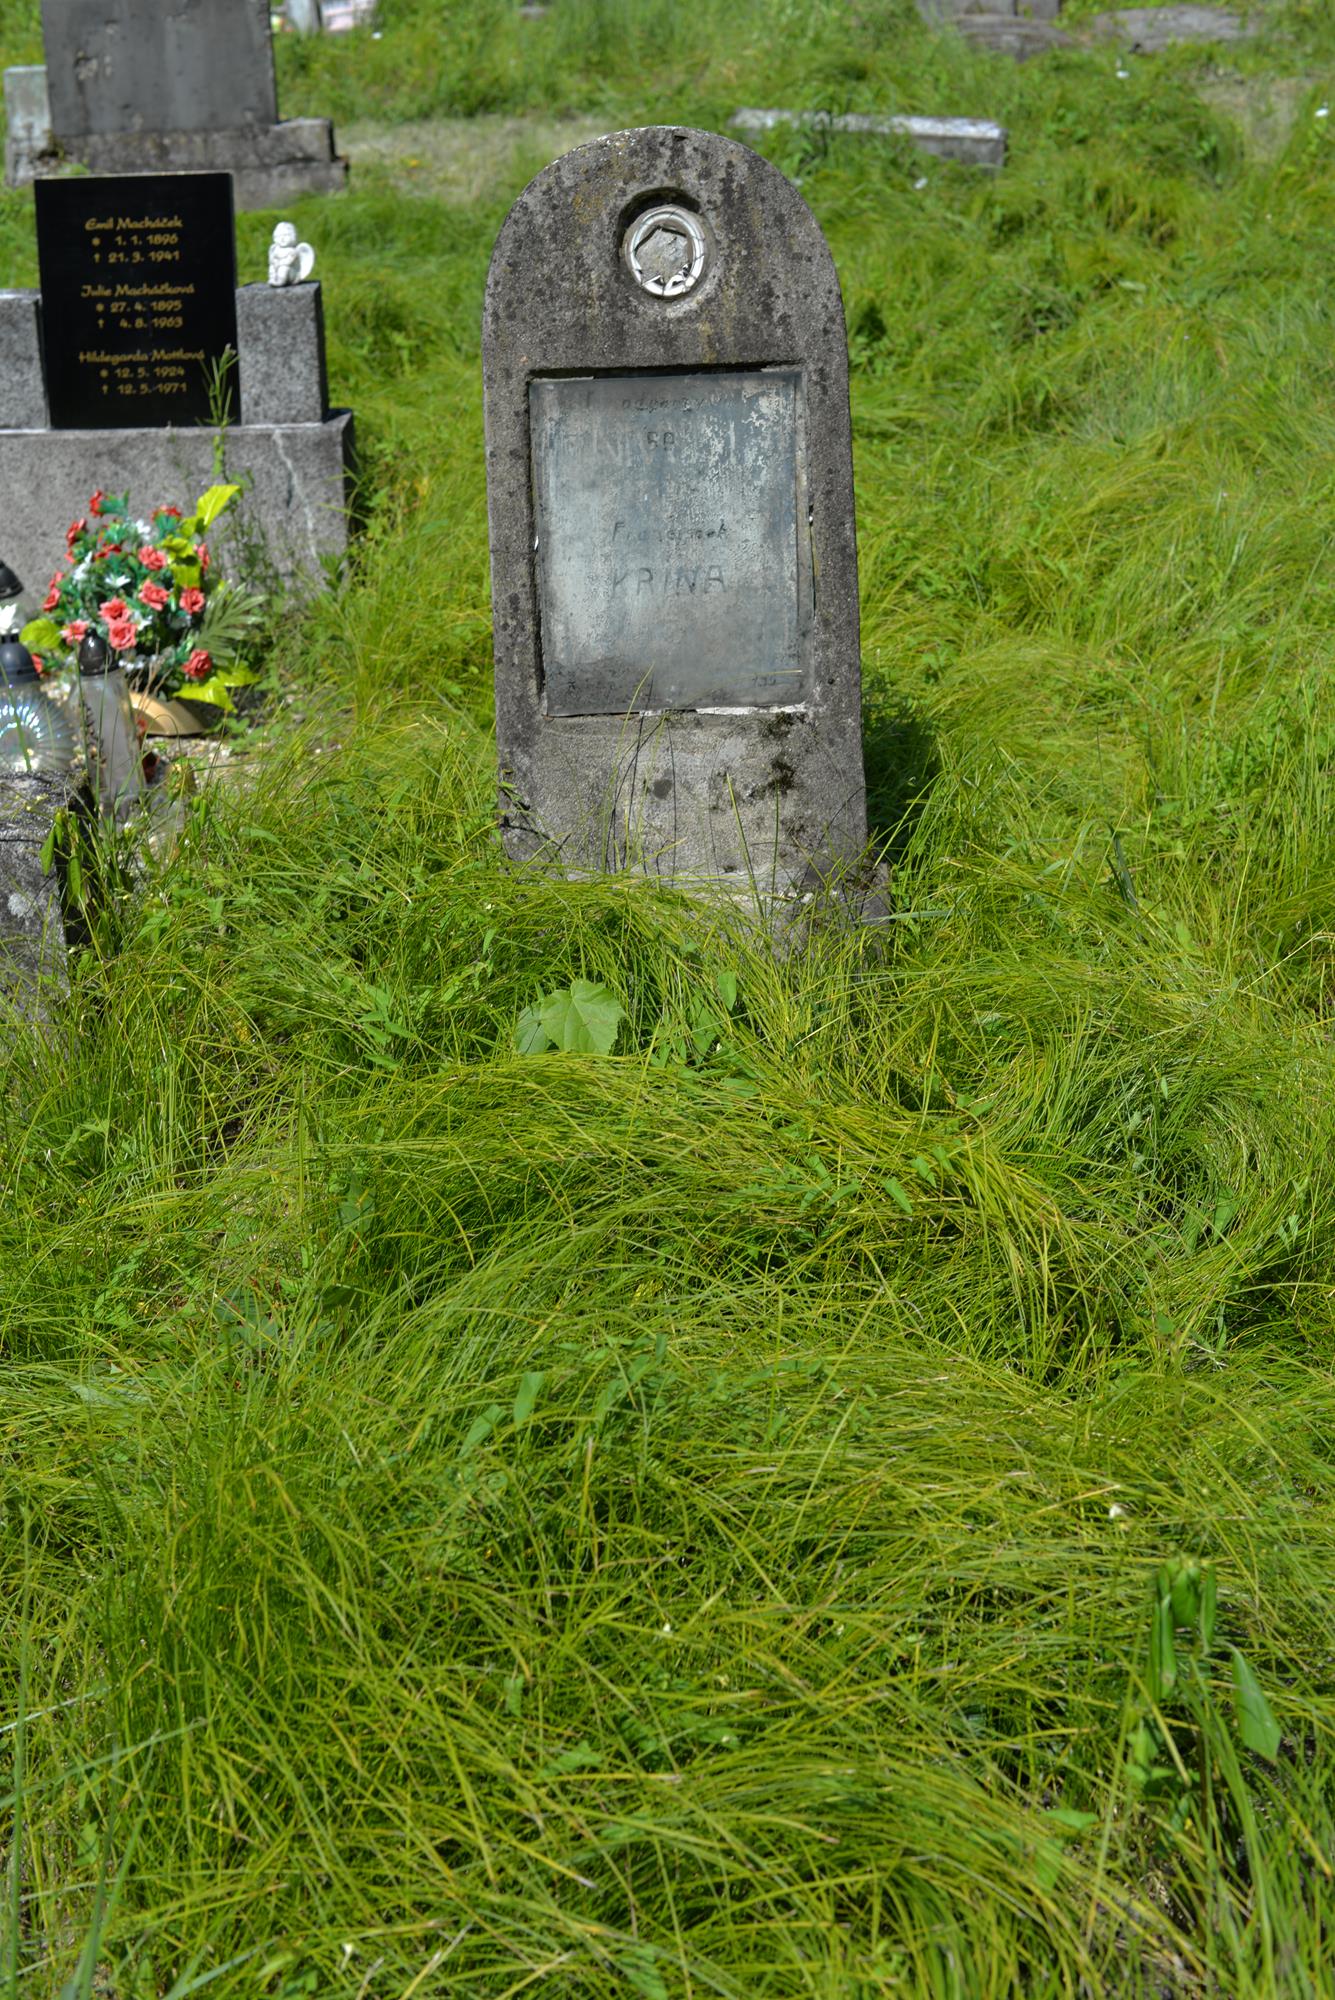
(666, 251)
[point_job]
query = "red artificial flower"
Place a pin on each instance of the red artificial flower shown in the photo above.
(114, 608)
(122, 633)
(199, 666)
(192, 601)
(74, 631)
(52, 598)
(74, 530)
(204, 557)
(39, 663)
(154, 596)
(152, 558)
(95, 504)
(173, 513)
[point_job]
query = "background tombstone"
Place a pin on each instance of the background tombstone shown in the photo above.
(105, 384)
(184, 86)
(674, 564)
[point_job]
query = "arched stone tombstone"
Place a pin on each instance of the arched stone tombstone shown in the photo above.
(674, 560)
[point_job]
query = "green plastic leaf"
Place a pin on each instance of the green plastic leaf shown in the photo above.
(1257, 1726)
(897, 1195)
(583, 1020)
(213, 691)
(529, 1391)
(41, 633)
(215, 502)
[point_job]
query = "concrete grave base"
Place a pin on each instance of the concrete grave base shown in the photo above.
(294, 510)
(297, 459)
(32, 927)
(270, 165)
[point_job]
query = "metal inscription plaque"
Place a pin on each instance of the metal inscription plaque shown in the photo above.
(674, 566)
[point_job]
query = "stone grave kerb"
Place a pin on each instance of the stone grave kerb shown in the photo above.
(765, 796)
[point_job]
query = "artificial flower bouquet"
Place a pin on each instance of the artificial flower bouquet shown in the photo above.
(150, 588)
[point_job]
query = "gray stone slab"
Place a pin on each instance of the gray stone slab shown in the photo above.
(1149, 30)
(280, 343)
(978, 142)
(22, 382)
(158, 65)
(270, 165)
(29, 140)
(944, 12)
(1012, 35)
(759, 796)
(32, 929)
(294, 511)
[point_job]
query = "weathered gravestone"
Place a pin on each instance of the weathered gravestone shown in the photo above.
(674, 565)
(108, 376)
(144, 86)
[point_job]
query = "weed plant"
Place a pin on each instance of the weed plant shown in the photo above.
(685, 1520)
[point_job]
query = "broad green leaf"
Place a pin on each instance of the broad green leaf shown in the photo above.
(897, 1195)
(726, 986)
(584, 1019)
(580, 1757)
(41, 633)
(234, 676)
(1225, 1210)
(1209, 1607)
(529, 1391)
(1257, 1726)
(638, 1963)
(1047, 1864)
(215, 502)
(481, 1428)
(531, 1038)
(1185, 1595)
(1163, 1657)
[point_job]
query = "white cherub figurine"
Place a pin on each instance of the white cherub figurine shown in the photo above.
(290, 262)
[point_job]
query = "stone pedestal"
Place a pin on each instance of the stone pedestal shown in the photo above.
(295, 457)
(280, 339)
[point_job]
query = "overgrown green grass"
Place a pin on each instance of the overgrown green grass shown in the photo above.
(682, 1522)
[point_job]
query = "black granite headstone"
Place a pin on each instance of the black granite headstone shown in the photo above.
(138, 277)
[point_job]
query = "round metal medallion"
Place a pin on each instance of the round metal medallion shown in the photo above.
(665, 249)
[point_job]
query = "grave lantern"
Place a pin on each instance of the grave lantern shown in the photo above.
(35, 734)
(111, 731)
